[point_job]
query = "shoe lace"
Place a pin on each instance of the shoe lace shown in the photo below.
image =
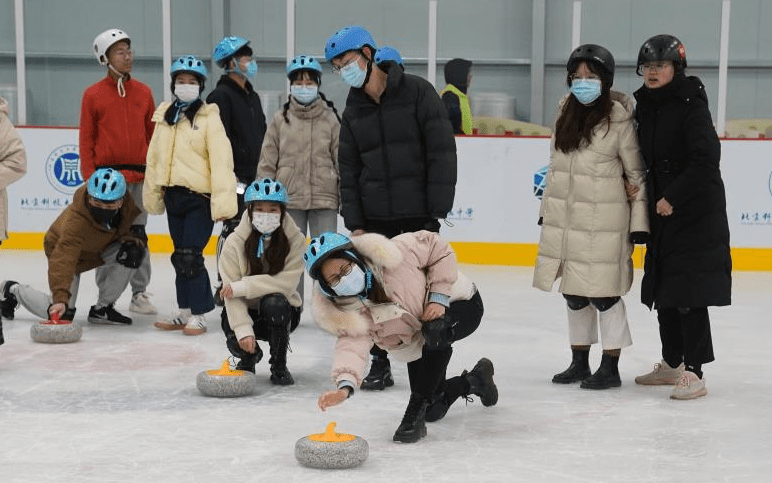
(684, 380)
(413, 407)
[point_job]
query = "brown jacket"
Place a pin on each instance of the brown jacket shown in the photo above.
(74, 242)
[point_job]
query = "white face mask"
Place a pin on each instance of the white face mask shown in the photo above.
(351, 284)
(186, 92)
(266, 223)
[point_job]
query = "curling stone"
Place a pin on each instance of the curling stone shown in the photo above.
(55, 331)
(225, 382)
(331, 450)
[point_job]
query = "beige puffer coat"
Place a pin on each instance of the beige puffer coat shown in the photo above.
(586, 216)
(13, 163)
(303, 155)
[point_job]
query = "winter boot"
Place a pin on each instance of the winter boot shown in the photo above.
(8, 301)
(481, 384)
(606, 376)
(279, 343)
(413, 425)
(379, 376)
(437, 408)
(248, 362)
(577, 371)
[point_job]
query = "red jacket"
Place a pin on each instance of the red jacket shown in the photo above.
(115, 130)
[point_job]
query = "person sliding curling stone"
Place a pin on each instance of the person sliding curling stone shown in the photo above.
(407, 296)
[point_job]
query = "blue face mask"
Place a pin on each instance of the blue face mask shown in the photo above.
(251, 69)
(304, 94)
(586, 90)
(353, 75)
(351, 284)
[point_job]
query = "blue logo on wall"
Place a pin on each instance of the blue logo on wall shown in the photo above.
(63, 169)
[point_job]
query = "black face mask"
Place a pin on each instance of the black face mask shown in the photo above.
(103, 216)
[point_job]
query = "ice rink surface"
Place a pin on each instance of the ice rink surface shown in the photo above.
(121, 405)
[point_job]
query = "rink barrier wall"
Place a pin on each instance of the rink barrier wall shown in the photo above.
(492, 222)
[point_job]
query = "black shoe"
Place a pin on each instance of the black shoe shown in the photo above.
(413, 425)
(281, 376)
(606, 376)
(247, 363)
(68, 314)
(107, 315)
(379, 376)
(437, 408)
(579, 369)
(8, 302)
(481, 383)
(218, 301)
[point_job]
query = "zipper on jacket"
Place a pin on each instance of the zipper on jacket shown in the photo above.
(385, 159)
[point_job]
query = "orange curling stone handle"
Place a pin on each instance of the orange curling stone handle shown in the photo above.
(225, 370)
(330, 436)
(54, 320)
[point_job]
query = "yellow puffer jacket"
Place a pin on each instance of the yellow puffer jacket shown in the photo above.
(197, 157)
(587, 219)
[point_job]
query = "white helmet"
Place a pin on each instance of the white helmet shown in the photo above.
(105, 40)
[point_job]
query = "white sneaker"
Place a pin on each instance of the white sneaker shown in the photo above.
(662, 375)
(196, 325)
(140, 303)
(177, 322)
(689, 387)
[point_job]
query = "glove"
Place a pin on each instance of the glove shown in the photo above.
(639, 237)
(438, 333)
(139, 232)
(130, 255)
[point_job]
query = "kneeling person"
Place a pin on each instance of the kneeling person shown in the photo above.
(93, 231)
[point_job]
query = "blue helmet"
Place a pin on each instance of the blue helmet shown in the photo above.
(540, 182)
(304, 62)
(227, 47)
(107, 184)
(348, 38)
(321, 248)
(266, 189)
(388, 53)
(189, 63)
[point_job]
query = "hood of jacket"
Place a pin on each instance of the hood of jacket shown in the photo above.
(457, 73)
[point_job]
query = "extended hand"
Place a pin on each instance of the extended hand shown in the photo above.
(57, 308)
(433, 311)
(248, 344)
(332, 398)
(226, 292)
(664, 208)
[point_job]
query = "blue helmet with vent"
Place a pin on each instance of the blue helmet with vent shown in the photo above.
(304, 62)
(190, 64)
(266, 189)
(388, 53)
(107, 184)
(227, 47)
(321, 248)
(348, 38)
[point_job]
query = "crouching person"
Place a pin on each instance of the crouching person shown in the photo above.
(93, 231)
(406, 296)
(260, 266)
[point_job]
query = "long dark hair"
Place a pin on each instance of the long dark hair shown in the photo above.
(190, 112)
(275, 255)
(310, 75)
(576, 121)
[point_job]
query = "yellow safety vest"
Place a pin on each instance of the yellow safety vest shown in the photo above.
(466, 110)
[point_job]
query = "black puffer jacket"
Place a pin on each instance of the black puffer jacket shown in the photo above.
(242, 115)
(397, 159)
(688, 263)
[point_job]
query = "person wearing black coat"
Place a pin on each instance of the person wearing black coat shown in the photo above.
(688, 265)
(397, 153)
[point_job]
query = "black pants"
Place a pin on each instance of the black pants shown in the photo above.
(427, 374)
(685, 336)
(260, 325)
(392, 228)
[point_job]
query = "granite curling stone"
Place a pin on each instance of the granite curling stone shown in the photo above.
(225, 382)
(331, 450)
(55, 331)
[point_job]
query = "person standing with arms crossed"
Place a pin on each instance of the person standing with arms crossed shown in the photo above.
(115, 130)
(397, 153)
(242, 116)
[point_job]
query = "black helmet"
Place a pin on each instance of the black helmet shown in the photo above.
(593, 52)
(662, 47)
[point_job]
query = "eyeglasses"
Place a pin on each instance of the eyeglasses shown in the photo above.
(345, 270)
(574, 77)
(658, 66)
(337, 69)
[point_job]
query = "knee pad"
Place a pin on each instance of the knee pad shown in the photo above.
(438, 333)
(139, 232)
(603, 303)
(188, 262)
(576, 302)
(276, 310)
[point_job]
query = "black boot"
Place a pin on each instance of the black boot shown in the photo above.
(247, 363)
(8, 300)
(437, 408)
(413, 425)
(379, 376)
(606, 376)
(481, 384)
(279, 342)
(579, 369)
